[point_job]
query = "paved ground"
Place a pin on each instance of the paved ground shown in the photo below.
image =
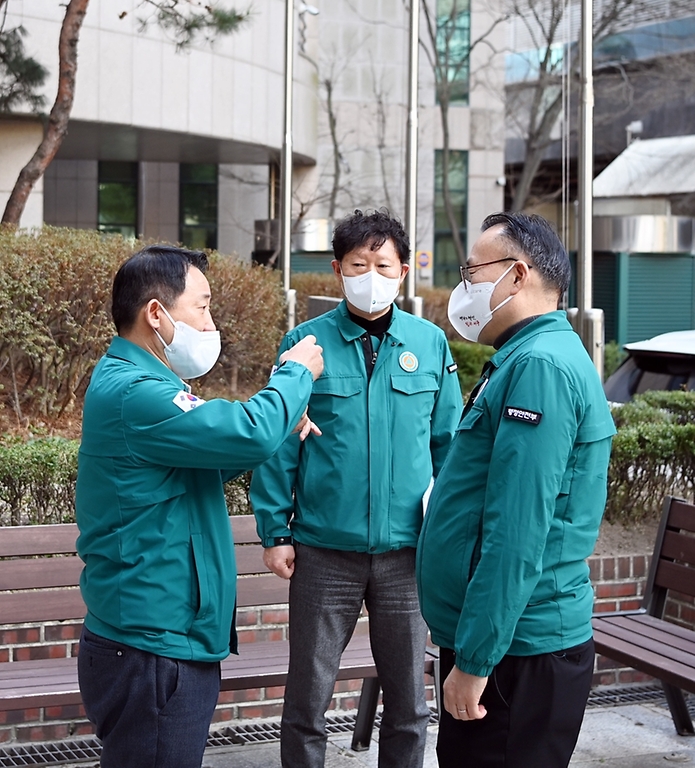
(629, 736)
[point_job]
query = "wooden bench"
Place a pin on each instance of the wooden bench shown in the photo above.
(644, 639)
(39, 578)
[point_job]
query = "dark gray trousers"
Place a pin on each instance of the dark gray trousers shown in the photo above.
(326, 595)
(149, 711)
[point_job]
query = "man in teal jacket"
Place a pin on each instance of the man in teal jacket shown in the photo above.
(159, 575)
(515, 511)
(340, 514)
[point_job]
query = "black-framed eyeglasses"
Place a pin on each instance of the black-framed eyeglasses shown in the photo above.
(466, 270)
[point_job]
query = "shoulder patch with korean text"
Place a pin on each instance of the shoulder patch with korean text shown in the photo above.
(452, 368)
(522, 414)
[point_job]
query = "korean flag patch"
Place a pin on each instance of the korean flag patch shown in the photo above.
(186, 401)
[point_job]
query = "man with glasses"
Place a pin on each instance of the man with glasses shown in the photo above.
(515, 511)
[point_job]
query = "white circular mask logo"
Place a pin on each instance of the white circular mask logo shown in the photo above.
(408, 362)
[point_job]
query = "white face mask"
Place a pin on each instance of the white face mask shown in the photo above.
(371, 292)
(469, 306)
(191, 353)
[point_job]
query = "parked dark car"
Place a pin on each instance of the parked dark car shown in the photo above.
(666, 362)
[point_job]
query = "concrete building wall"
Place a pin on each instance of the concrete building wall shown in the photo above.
(70, 194)
(19, 140)
(242, 198)
(230, 89)
(158, 215)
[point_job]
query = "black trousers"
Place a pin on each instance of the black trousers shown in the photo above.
(535, 706)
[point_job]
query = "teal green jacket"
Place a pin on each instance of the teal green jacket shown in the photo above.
(359, 486)
(516, 509)
(155, 538)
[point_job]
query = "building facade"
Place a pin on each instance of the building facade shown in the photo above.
(184, 146)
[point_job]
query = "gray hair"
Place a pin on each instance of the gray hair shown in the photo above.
(535, 238)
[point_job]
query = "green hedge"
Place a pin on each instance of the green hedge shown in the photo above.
(653, 455)
(37, 483)
(470, 359)
(55, 321)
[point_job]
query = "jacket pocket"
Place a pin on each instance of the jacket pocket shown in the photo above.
(416, 393)
(338, 386)
(414, 383)
(469, 418)
(201, 601)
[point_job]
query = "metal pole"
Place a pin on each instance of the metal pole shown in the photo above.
(286, 165)
(411, 156)
(585, 168)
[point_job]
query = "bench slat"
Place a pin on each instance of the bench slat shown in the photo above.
(681, 515)
(28, 540)
(678, 636)
(59, 539)
(67, 603)
(263, 590)
(679, 546)
(40, 572)
(680, 578)
(648, 662)
(650, 639)
(47, 605)
(249, 559)
(244, 529)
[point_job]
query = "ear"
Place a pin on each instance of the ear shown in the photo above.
(335, 264)
(153, 314)
(405, 268)
(521, 272)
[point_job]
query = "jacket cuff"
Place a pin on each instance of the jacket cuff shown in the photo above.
(471, 668)
(278, 541)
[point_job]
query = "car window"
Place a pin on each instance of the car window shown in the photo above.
(656, 381)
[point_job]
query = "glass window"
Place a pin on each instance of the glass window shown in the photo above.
(446, 261)
(198, 203)
(453, 42)
(118, 198)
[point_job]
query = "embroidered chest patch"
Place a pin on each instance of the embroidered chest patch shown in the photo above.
(521, 414)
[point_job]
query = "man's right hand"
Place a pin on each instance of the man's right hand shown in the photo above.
(308, 353)
(280, 560)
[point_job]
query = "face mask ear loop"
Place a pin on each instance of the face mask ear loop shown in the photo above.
(171, 320)
(496, 283)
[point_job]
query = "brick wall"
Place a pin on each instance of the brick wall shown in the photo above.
(618, 582)
(618, 586)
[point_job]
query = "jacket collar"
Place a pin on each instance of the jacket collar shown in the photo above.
(547, 323)
(125, 350)
(351, 331)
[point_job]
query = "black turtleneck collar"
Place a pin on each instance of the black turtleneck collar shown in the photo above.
(377, 327)
(504, 337)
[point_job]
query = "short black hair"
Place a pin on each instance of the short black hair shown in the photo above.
(156, 272)
(372, 229)
(535, 237)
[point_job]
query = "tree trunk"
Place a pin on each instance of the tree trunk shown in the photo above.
(57, 125)
(333, 127)
(537, 142)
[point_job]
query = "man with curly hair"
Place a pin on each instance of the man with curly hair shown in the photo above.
(340, 514)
